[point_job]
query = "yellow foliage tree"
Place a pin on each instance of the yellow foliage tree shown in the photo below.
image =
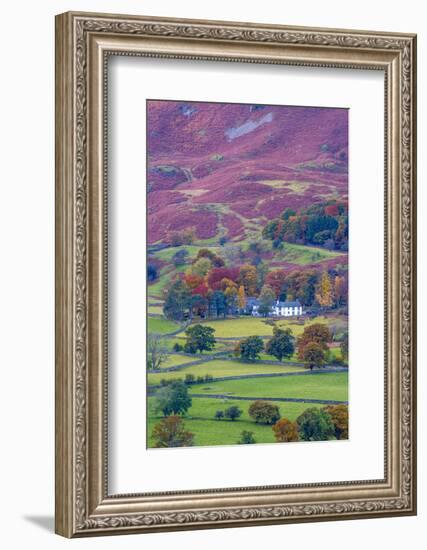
(241, 297)
(324, 294)
(248, 278)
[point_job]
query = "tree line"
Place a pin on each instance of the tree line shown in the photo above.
(322, 224)
(210, 289)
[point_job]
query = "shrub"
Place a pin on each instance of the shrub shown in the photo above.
(285, 430)
(189, 347)
(177, 347)
(233, 412)
(264, 412)
(200, 380)
(208, 378)
(246, 438)
(219, 415)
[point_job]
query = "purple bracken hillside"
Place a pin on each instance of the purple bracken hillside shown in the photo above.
(225, 169)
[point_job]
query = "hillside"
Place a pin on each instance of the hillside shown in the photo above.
(226, 169)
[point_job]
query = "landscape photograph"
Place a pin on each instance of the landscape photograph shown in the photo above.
(247, 274)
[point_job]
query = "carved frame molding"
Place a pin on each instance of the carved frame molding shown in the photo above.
(83, 42)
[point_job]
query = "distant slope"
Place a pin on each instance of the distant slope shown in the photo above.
(226, 168)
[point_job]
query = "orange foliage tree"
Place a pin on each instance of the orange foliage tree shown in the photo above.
(339, 415)
(171, 432)
(285, 430)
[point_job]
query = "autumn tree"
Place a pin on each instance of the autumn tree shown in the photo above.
(192, 280)
(313, 355)
(315, 425)
(248, 278)
(340, 290)
(183, 236)
(171, 432)
(241, 298)
(285, 430)
(282, 345)
(266, 300)
(199, 338)
(317, 332)
(216, 260)
(264, 412)
(276, 280)
(201, 267)
(339, 415)
(157, 352)
(250, 348)
(324, 294)
(173, 398)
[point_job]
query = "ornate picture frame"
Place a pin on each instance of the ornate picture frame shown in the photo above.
(84, 42)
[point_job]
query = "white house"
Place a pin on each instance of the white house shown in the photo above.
(279, 309)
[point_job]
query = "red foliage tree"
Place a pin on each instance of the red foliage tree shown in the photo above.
(276, 279)
(216, 275)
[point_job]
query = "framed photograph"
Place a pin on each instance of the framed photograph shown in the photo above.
(235, 274)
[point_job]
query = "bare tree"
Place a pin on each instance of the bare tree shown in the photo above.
(157, 352)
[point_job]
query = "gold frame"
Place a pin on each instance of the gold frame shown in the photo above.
(83, 43)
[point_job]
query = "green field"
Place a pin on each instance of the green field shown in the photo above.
(328, 386)
(156, 310)
(219, 368)
(302, 255)
(160, 325)
(199, 420)
(253, 326)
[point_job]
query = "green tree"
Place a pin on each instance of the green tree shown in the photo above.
(282, 345)
(157, 352)
(246, 438)
(218, 303)
(200, 338)
(285, 430)
(201, 267)
(219, 415)
(171, 432)
(233, 412)
(315, 425)
(250, 348)
(179, 258)
(178, 301)
(264, 412)
(173, 398)
(266, 300)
